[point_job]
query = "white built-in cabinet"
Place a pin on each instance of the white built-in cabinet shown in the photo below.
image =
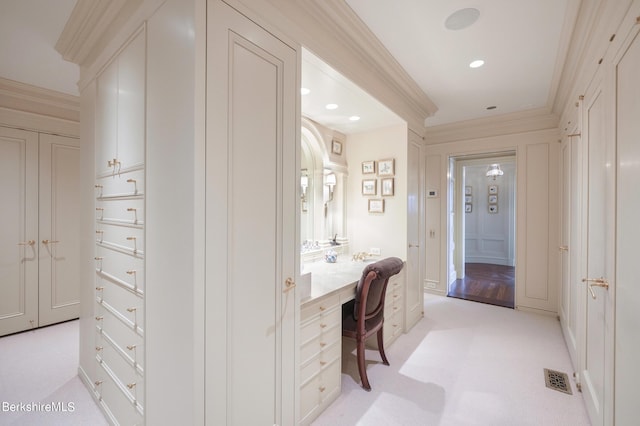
(120, 234)
(39, 234)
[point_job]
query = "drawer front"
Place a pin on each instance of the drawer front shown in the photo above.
(126, 269)
(318, 307)
(129, 184)
(120, 237)
(114, 399)
(319, 389)
(123, 368)
(321, 361)
(393, 326)
(317, 326)
(332, 336)
(129, 211)
(127, 303)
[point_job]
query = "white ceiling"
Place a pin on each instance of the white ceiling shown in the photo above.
(521, 42)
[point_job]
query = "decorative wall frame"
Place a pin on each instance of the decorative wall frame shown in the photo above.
(468, 208)
(493, 199)
(468, 199)
(493, 208)
(376, 206)
(336, 147)
(369, 186)
(386, 167)
(386, 186)
(468, 190)
(493, 189)
(368, 167)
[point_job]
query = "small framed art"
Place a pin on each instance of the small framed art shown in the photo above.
(386, 186)
(386, 167)
(376, 206)
(467, 190)
(336, 147)
(468, 208)
(493, 199)
(493, 189)
(493, 208)
(368, 167)
(369, 186)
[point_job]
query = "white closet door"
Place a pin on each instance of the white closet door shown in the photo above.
(59, 229)
(107, 119)
(251, 210)
(18, 230)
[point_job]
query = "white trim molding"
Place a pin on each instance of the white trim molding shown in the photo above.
(36, 100)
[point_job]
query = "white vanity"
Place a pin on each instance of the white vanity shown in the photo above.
(333, 284)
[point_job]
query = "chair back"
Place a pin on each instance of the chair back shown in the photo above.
(372, 286)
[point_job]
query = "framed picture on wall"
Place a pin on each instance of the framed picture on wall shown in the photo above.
(493, 199)
(368, 167)
(376, 206)
(493, 189)
(467, 190)
(336, 147)
(386, 167)
(387, 186)
(468, 199)
(493, 208)
(468, 208)
(369, 186)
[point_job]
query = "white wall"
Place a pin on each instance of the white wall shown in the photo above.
(388, 230)
(489, 237)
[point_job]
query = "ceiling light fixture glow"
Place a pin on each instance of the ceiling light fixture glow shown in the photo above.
(354, 118)
(331, 106)
(304, 91)
(477, 63)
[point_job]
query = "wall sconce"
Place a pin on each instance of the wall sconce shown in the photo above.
(330, 181)
(304, 184)
(494, 171)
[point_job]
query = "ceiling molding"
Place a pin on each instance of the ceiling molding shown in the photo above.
(505, 124)
(36, 100)
(91, 25)
(38, 123)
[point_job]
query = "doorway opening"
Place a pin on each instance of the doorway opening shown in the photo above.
(482, 228)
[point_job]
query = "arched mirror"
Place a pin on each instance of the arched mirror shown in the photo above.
(322, 196)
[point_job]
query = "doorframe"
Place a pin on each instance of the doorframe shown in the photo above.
(455, 203)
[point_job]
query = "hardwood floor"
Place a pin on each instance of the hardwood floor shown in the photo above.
(485, 283)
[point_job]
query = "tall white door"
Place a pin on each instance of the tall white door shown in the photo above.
(627, 345)
(59, 234)
(251, 212)
(18, 230)
(596, 361)
(415, 287)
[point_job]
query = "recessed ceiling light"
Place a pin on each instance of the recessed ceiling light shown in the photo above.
(304, 91)
(477, 63)
(354, 118)
(331, 106)
(462, 19)
(492, 107)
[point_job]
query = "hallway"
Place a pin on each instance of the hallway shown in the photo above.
(485, 283)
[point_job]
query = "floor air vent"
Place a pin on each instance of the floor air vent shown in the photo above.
(557, 381)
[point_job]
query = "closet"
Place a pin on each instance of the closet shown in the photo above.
(39, 237)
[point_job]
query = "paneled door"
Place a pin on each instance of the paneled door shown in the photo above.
(18, 230)
(252, 142)
(59, 233)
(414, 286)
(596, 356)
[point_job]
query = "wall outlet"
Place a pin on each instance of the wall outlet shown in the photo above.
(430, 285)
(375, 250)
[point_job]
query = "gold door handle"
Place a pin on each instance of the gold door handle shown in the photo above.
(49, 242)
(27, 243)
(597, 282)
(563, 248)
(289, 284)
(414, 245)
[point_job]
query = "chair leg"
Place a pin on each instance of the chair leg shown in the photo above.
(362, 368)
(385, 361)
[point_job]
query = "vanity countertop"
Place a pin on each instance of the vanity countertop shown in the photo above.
(328, 278)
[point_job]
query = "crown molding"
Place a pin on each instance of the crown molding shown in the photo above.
(91, 24)
(38, 123)
(37, 100)
(505, 124)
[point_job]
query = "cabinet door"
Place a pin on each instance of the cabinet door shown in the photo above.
(106, 118)
(59, 230)
(251, 211)
(19, 230)
(131, 104)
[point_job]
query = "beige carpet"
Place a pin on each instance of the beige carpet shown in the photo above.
(464, 364)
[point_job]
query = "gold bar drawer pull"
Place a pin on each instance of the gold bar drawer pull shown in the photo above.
(135, 185)
(135, 243)
(131, 272)
(98, 348)
(131, 385)
(49, 241)
(27, 243)
(322, 388)
(131, 347)
(97, 382)
(99, 318)
(135, 213)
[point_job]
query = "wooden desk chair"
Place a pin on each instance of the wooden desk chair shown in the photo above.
(364, 316)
